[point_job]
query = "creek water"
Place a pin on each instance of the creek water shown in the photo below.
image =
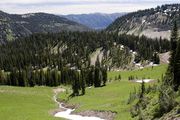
(67, 113)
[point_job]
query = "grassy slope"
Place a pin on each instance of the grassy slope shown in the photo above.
(114, 96)
(18, 103)
(149, 72)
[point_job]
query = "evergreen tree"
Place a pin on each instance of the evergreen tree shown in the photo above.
(48, 77)
(174, 38)
(119, 77)
(83, 86)
(55, 78)
(142, 90)
(104, 74)
(156, 59)
(75, 84)
(2, 78)
(169, 77)
(24, 77)
(97, 74)
(91, 76)
(176, 81)
(42, 77)
(166, 100)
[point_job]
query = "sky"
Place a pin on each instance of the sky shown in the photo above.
(78, 6)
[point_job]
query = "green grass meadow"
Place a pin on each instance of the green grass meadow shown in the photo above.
(24, 103)
(149, 72)
(114, 96)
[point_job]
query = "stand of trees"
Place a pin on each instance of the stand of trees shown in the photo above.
(167, 91)
(53, 59)
(74, 48)
(94, 76)
(79, 79)
(145, 47)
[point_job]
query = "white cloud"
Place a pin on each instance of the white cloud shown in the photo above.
(84, 1)
(78, 6)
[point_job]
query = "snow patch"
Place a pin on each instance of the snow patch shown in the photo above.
(145, 80)
(67, 113)
(143, 21)
(27, 15)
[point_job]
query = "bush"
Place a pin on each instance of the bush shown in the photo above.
(166, 100)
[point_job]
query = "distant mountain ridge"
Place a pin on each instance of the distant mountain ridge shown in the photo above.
(94, 20)
(154, 22)
(13, 26)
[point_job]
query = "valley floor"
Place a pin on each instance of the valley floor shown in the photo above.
(114, 96)
(23, 103)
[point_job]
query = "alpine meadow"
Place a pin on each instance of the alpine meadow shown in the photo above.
(89, 60)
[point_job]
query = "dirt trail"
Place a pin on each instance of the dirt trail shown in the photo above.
(56, 92)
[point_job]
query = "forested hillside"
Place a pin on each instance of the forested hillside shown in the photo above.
(13, 26)
(75, 48)
(54, 59)
(154, 22)
(162, 100)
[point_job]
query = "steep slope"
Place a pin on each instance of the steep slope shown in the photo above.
(95, 20)
(14, 26)
(154, 22)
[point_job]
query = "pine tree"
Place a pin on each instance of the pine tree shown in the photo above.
(142, 90)
(97, 73)
(24, 77)
(156, 59)
(83, 86)
(166, 99)
(104, 72)
(174, 38)
(20, 78)
(75, 83)
(56, 82)
(91, 76)
(119, 77)
(176, 81)
(2, 79)
(48, 77)
(169, 77)
(42, 77)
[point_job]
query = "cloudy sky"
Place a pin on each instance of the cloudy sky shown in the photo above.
(78, 6)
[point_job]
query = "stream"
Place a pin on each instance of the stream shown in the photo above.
(67, 112)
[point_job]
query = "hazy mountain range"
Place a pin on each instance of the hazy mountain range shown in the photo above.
(95, 20)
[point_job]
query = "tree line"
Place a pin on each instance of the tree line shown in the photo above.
(78, 78)
(53, 59)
